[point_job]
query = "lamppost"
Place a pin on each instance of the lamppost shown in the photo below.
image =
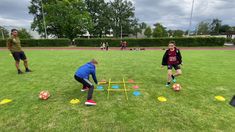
(44, 22)
(121, 31)
(191, 16)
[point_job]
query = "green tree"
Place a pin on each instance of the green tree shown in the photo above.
(64, 18)
(101, 17)
(24, 34)
(203, 28)
(159, 30)
(170, 33)
(3, 33)
(122, 17)
(35, 9)
(136, 28)
(225, 29)
(143, 25)
(215, 26)
(148, 32)
(178, 33)
(233, 29)
(175, 33)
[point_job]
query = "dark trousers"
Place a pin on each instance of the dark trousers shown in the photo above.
(122, 47)
(86, 83)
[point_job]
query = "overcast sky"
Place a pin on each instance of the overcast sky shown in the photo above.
(173, 14)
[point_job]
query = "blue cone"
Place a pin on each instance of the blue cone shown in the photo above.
(115, 86)
(100, 87)
(136, 93)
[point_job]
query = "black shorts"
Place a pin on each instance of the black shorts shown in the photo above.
(19, 56)
(83, 81)
(176, 67)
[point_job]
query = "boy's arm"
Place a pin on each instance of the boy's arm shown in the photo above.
(9, 44)
(180, 57)
(94, 77)
(164, 59)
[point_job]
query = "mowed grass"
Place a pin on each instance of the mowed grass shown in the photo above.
(205, 75)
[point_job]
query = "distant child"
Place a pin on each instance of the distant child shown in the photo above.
(82, 76)
(102, 47)
(124, 44)
(107, 46)
(172, 59)
(121, 45)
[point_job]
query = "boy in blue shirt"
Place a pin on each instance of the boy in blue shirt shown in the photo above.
(82, 76)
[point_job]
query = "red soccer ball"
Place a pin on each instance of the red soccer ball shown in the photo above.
(176, 87)
(44, 95)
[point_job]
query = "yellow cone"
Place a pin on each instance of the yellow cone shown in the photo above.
(220, 98)
(5, 101)
(74, 101)
(162, 99)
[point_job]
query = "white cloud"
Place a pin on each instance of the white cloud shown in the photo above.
(15, 22)
(176, 13)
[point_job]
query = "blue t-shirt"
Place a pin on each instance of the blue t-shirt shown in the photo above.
(86, 70)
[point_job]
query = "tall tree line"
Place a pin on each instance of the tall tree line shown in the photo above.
(73, 18)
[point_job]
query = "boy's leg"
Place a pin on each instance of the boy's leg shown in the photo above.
(88, 84)
(91, 88)
(85, 87)
(169, 73)
(178, 72)
(90, 92)
(24, 58)
(26, 65)
(17, 64)
(16, 56)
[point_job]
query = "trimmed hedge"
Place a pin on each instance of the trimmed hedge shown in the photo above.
(40, 42)
(2, 43)
(187, 42)
(156, 42)
(229, 40)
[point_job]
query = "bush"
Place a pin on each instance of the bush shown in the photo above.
(229, 40)
(40, 42)
(156, 42)
(2, 43)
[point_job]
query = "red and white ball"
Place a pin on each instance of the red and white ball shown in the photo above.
(44, 95)
(176, 87)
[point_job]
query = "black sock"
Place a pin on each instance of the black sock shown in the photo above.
(19, 71)
(168, 83)
(27, 69)
(173, 77)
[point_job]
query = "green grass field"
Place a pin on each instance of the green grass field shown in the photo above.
(205, 75)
